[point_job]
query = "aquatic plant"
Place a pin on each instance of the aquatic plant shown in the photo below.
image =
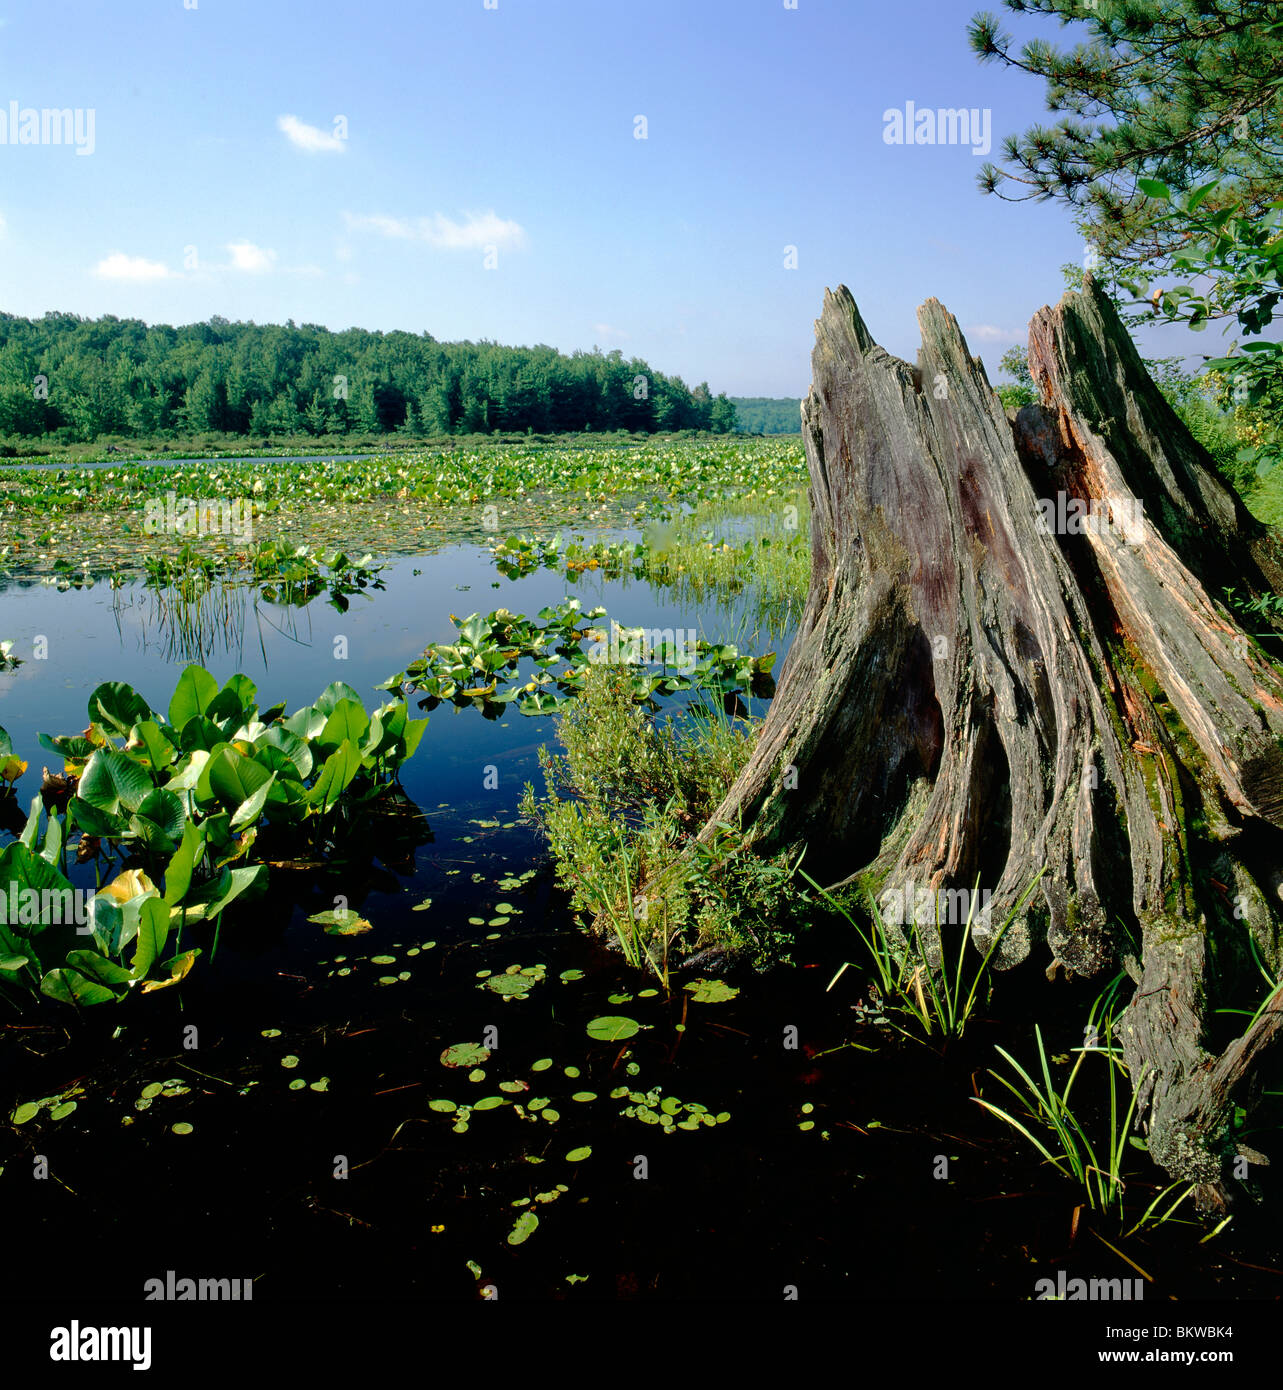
(180, 802)
(1101, 1178)
(622, 811)
(940, 990)
(491, 649)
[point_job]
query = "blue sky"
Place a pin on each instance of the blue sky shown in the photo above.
(217, 183)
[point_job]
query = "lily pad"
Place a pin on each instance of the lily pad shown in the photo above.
(345, 921)
(465, 1055)
(527, 1224)
(711, 991)
(27, 1111)
(612, 1028)
(290, 1061)
(182, 1127)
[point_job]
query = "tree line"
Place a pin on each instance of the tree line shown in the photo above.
(768, 414)
(75, 378)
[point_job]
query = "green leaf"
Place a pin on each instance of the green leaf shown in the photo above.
(348, 722)
(1154, 188)
(160, 751)
(71, 987)
(711, 991)
(527, 1224)
(113, 782)
(182, 864)
(192, 695)
(289, 744)
(119, 705)
(153, 929)
(612, 1028)
(333, 695)
(234, 779)
(465, 1055)
(335, 777)
(160, 820)
(98, 967)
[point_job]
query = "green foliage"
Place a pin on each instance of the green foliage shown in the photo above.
(768, 414)
(183, 799)
(1049, 1110)
(938, 991)
(1020, 390)
(1173, 90)
(621, 812)
(1231, 261)
(65, 520)
(758, 547)
(120, 378)
(491, 648)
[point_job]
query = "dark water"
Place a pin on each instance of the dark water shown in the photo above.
(858, 1205)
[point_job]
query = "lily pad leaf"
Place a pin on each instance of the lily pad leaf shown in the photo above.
(612, 1028)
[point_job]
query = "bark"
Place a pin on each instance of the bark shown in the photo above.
(974, 695)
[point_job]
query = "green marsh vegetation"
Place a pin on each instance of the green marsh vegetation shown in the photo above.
(67, 522)
(622, 808)
(184, 811)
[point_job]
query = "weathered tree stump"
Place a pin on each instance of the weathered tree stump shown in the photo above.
(978, 689)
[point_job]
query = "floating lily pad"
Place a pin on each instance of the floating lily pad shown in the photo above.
(542, 1064)
(444, 1107)
(612, 1028)
(527, 1224)
(382, 960)
(511, 986)
(345, 921)
(711, 991)
(476, 1074)
(322, 1085)
(290, 1061)
(276, 1032)
(583, 1096)
(465, 1055)
(182, 1127)
(297, 1084)
(423, 906)
(27, 1111)
(568, 975)
(152, 1090)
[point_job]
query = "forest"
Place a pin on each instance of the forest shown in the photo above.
(66, 378)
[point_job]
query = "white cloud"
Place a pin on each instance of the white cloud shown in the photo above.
(247, 256)
(475, 232)
(604, 330)
(118, 266)
(991, 333)
(309, 137)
